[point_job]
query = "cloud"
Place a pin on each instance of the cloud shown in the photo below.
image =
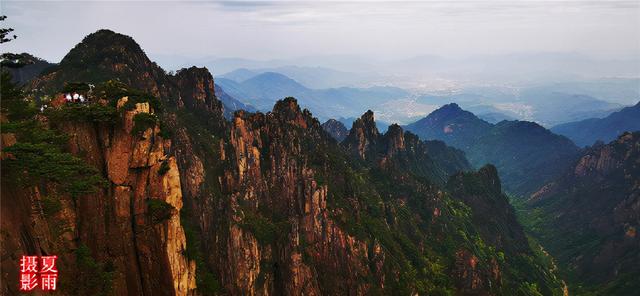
(281, 29)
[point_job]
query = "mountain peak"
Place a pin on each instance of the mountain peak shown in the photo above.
(336, 129)
(197, 89)
(273, 78)
(289, 111)
(451, 124)
(395, 139)
(394, 132)
(363, 134)
(449, 110)
(368, 116)
(106, 33)
(106, 55)
(367, 121)
(446, 114)
(451, 106)
(103, 44)
(288, 104)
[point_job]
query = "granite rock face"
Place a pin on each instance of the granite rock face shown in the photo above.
(117, 223)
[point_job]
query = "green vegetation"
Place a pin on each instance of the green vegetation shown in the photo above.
(159, 210)
(192, 250)
(51, 206)
(528, 289)
(38, 156)
(14, 104)
(164, 168)
(142, 122)
(206, 280)
(113, 90)
(75, 87)
(569, 240)
(36, 162)
(94, 112)
(92, 278)
(265, 231)
(5, 32)
(165, 132)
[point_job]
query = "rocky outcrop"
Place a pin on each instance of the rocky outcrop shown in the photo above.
(363, 135)
(395, 139)
(197, 90)
(403, 150)
(336, 129)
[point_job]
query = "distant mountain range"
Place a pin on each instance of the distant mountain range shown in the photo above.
(551, 107)
(547, 101)
(264, 89)
(230, 103)
(541, 104)
(526, 154)
(588, 131)
(311, 77)
(418, 71)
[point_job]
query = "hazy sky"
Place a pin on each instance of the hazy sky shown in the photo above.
(383, 29)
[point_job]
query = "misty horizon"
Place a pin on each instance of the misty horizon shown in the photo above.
(380, 30)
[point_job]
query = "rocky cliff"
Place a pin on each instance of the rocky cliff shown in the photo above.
(131, 224)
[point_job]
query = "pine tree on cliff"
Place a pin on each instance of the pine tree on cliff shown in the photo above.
(4, 32)
(34, 154)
